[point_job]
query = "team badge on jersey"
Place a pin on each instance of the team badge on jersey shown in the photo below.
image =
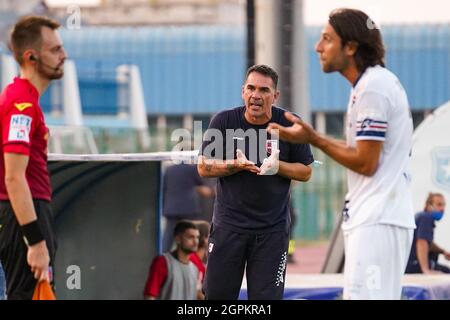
(22, 106)
(441, 166)
(19, 128)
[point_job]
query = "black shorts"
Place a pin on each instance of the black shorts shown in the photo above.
(20, 282)
(263, 256)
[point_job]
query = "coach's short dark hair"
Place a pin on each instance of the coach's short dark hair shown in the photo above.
(355, 26)
(265, 71)
(26, 34)
(182, 226)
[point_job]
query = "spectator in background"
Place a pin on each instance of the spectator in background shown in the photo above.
(200, 256)
(424, 251)
(207, 203)
(172, 275)
(182, 188)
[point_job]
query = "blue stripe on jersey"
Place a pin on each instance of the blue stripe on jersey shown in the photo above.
(371, 134)
(372, 121)
(371, 128)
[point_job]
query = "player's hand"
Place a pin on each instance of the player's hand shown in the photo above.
(243, 163)
(299, 132)
(271, 164)
(39, 260)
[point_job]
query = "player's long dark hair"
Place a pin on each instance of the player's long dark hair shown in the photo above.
(355, 26)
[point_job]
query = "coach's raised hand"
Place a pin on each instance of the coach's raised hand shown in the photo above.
(222, 168)
(299, 132)
(244, 164)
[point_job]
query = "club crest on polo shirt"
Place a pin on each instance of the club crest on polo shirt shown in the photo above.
(22, 106)
(19, 128)
(271, 145)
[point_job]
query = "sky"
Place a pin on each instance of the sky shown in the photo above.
(68, 2)
(381, 11)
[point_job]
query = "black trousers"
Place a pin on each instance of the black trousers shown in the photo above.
(263, 256)
(20, 282)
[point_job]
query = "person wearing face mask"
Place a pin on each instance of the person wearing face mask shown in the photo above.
(425, 252)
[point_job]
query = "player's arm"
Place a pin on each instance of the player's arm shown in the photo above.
(22, 203)
(213, 168)
(156, 278)
(362, 159)
(294, 171)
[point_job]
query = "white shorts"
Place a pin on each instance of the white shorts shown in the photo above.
(375, 261)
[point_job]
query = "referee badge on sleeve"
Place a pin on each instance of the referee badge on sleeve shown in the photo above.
(19, 128)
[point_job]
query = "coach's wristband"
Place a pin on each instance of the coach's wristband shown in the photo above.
(32, 233)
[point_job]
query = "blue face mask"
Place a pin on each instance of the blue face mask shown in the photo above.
(437, 215)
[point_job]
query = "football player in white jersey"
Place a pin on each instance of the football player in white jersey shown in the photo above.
(378, 217)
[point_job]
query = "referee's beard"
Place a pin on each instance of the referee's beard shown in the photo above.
(50, 73)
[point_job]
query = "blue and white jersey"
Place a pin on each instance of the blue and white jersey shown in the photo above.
(378, 110)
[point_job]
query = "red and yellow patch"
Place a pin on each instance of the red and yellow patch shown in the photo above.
(22, 106)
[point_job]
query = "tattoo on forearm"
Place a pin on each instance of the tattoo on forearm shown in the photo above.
(230, 168)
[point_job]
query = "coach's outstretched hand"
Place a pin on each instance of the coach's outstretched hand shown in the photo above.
(244, 164)
(299, 132)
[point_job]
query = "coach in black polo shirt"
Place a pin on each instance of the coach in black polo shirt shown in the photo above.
(251, 212)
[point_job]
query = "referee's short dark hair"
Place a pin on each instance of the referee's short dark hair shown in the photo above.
(27, 34)
(182, 226)
(265, 70)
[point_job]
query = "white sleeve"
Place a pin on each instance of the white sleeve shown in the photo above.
(372, 117)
